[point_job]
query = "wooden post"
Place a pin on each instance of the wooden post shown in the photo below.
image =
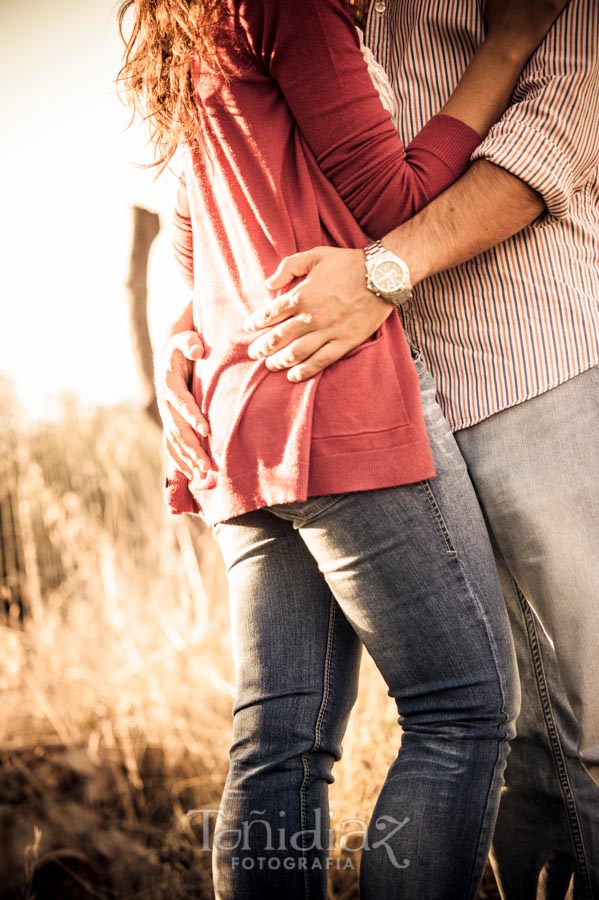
(146, 226)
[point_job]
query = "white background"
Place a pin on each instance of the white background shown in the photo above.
(68, 182)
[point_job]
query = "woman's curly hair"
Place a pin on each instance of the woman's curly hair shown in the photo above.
(164, 39)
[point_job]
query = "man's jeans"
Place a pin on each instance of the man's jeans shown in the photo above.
(535, 470)
(407, 572)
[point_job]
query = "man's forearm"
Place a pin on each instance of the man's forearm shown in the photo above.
(485, 207)
(331, 311)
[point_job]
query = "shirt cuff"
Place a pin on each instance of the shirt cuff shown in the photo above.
(525, 152)
(449, 139)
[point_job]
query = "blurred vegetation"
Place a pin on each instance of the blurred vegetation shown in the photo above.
(116, 670)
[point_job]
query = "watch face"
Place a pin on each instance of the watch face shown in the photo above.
(388, 276)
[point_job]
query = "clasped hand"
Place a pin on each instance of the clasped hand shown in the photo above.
(315, 323)
(320, 318)
(182, 419)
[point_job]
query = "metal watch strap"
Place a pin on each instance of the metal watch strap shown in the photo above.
(373, 249)
(377, 249)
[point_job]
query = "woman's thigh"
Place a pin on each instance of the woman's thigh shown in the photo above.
(441, 642)
(413, 570)
(393, 561)
(296, 657)
(297, 662)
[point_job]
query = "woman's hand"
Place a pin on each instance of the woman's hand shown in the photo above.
(521, 24)
(514, 30)
(182, 419)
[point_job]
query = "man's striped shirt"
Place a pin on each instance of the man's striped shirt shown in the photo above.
(523, 317)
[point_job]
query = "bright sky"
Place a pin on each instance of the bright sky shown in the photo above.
(67, 185)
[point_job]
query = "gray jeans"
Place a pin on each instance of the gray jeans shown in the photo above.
(535, 471)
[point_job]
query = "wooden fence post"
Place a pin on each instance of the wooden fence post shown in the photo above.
(146, 226)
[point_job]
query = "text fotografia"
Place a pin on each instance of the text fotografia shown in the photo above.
(290, 863)
(257, 836)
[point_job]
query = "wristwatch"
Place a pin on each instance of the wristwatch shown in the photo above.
(387, 275)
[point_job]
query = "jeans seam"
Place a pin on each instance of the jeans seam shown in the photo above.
(483, 839)
(478, 864)
(317, 737)
(557, 752)
(434, 507)
(324, 507)
(302, 512)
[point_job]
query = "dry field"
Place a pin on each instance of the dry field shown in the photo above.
(115, 672)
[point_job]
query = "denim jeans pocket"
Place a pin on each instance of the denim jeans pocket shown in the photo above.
(417, 359)
(420, 366)
(414, 350)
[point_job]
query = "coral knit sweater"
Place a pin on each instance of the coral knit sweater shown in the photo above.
(297, 151)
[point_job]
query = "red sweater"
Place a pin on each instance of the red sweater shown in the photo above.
(297, 151)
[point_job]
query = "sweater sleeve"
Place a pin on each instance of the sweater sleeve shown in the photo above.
(182, 234)
(311, 49)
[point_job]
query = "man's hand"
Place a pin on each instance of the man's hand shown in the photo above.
(321, 318)
(181, 418)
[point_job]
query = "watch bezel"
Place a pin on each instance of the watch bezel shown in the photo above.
(376, 254)
(403, 274)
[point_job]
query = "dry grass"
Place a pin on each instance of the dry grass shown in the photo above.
(116, 684)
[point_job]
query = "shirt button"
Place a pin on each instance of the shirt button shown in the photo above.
(380, 6)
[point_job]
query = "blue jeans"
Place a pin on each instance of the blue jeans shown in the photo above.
(408, 573)
(534, 468)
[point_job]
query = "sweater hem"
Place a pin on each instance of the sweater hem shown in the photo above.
(370, 469)
(338, 473)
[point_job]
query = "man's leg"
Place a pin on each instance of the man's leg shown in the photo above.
(533, 468)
